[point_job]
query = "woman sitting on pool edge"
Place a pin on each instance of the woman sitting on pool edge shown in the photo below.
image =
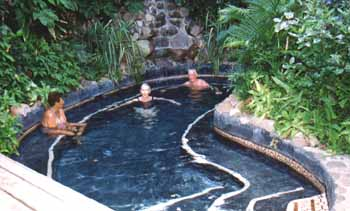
(54, 120)
(146, 99)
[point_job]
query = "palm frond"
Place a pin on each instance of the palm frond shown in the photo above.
(255, 24)
(232, 13)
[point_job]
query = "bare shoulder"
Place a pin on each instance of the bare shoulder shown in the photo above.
(48, 113)
(48, 117)
(203, 82)
(187, 83)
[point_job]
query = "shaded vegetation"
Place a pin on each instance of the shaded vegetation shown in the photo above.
(298, 65)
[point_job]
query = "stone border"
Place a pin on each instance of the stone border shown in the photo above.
(230, 125)
(272, 153)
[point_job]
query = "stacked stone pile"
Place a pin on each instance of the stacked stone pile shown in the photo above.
(164, 30)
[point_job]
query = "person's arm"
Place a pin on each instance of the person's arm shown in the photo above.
(187, 83)
(77, 124)
(55, 132)
(123, 104)
(204, 84)
(215, 89)
(168, 100)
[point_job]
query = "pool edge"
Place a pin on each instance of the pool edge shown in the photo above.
(269, 144)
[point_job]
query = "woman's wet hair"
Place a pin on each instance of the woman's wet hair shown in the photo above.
(145, 86)
(54, 97)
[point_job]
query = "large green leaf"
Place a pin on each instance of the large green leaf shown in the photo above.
(47, 17)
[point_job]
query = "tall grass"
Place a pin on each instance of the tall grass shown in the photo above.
(115, 49)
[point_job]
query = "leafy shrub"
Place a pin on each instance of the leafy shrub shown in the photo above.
(55, 18)
(9, 126)
(199, 9)
(114, 47)
(298, 72)
(54, 64)
(18, 84)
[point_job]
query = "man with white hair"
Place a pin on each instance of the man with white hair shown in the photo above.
(194, 82)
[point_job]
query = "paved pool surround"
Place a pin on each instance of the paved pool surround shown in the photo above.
(269, 144)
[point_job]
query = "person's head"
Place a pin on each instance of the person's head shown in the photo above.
(145, 89)
(192, 75)
(55, 100)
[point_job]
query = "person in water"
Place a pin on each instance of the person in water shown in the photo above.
(197, 84)
(145, 98)
(54, 120)
(194, 82)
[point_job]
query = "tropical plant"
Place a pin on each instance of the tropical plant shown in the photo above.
(53, 63)
(115, 48)
(9, 126)
(199, 9)
(297, 75)
(252, 28)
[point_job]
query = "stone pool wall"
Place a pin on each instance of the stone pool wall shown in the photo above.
(259, 136)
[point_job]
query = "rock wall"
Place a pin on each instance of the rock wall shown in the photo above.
(165, 30)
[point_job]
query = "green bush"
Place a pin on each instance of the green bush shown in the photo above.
(54, 64)
(298, 67)
(199, 9)
(9, 126)
(115, 49)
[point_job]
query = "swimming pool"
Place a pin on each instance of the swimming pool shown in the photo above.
(163, 157)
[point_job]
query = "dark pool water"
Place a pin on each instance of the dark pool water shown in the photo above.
(131, 159)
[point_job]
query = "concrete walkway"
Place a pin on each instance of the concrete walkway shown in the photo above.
(338, 167)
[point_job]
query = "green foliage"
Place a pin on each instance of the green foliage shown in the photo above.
(9, 126)
(255, 27)
(298, 67)
(54, 63)
(18, 84)
(29, 13)
(134, 6)
(115, 48)
(90, 9)
(213, 51)
(199, 9)
(55, 17)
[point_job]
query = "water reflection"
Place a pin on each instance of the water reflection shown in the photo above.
(148, 116)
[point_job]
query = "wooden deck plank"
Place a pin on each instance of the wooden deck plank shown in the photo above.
(45, 188)
(27, 193)
(7, 202)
